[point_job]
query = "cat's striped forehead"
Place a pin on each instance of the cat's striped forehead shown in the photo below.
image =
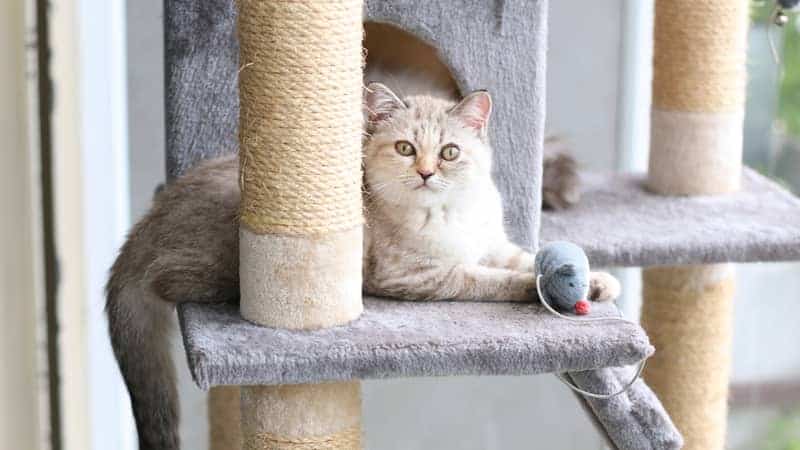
(426, 119)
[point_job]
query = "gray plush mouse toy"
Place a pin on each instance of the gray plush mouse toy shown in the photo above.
(562, 269)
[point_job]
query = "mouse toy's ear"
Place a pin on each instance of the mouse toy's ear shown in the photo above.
(380, 103)
(474, 111)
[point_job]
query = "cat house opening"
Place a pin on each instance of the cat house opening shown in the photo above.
(394, 50)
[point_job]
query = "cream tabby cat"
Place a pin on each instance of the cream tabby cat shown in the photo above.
(434, 216)
(434, 231)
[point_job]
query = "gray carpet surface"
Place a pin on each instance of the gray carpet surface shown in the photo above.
(404, 339)
(619, 223)
(634, 420)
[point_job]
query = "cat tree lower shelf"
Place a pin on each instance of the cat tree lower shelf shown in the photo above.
(619, 223)
(413, 339)
(404, 339)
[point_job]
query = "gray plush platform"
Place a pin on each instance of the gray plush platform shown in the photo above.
(404, 339)
(619, 223)
(633, 420)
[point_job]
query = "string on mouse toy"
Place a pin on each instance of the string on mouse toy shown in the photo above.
(570, 384)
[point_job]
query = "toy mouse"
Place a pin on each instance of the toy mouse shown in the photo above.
(564, 281)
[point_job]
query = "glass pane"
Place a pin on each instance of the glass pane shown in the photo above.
(765, 385)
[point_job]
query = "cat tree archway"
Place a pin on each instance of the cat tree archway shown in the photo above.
(301, 370)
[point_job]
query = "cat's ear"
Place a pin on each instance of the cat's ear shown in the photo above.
(380, 102)
(474, 110)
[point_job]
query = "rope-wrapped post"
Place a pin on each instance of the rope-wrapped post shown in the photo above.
(699, 78)
(224, 418)
(300, 236)
(687, 312)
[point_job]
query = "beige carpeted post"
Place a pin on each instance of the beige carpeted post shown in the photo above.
(696, 149)
(301, 215)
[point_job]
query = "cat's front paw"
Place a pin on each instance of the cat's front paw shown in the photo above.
(529, 292)
(603, 287)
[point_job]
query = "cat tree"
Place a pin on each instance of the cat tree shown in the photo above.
(298, 346)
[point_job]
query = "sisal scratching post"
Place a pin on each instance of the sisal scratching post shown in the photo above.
(300, 244)
(224, 418)
(308, 417)
(698, 96)
(695, 149)
(688, 313)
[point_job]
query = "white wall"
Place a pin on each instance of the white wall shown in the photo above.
(91, 212)
(582, 78)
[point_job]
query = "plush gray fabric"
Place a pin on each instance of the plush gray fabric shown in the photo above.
(618, 223)
(202, 59)
(408, 339)
(405, 339)
(635, 420)
(496, 45)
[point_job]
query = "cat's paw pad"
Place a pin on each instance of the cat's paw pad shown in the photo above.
(603, 287)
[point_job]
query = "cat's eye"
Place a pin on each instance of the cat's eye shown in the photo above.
(404, 148)
(450, 152)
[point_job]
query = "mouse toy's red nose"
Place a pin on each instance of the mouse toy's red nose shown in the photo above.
(582, 308)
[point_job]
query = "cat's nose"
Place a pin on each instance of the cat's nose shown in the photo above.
(424, 174)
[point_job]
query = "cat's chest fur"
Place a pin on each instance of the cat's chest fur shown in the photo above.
(446, 233)
(452, 233)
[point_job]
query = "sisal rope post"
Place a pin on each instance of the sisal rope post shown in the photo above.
(302, 417)
(224, 418)
(687, 312)
(300, 236)
(695, 149)
(698, 96)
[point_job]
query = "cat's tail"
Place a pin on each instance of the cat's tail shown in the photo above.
(140, 324)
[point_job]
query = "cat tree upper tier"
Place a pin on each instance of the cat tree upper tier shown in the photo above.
(619, 223)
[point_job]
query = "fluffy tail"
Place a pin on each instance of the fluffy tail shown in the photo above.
(139, 324)
(185, 249)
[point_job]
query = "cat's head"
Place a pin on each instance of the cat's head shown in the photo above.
(423, 150)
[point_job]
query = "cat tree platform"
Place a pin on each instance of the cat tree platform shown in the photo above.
(405, 339)
(619, 223)
(394, 339)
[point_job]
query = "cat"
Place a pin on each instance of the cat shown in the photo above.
(433, 232)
